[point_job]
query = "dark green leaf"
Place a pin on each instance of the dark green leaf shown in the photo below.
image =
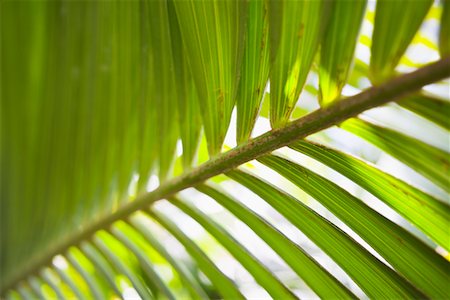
(374, 278)
(396, 23)
(263, 276)
(307, 268)
(429, 161)
(429, 271)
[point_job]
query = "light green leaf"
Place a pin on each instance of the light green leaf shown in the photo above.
(424, 211)
(90, 280)
(13, 295)
(374, 278)
(429, 161)
(417, 262)
(263, 276)
(307, 268)
(35, 285)
(223, 284)
(95, 99)
(188, 110)
(162, 78)
(337, 48)
(396, 23)
(77, 292)
(148, 115)
(102, 265)
(295, 32)
(105, 244)
(144, 262)
(25, 293)
(194, 288)
(212, 32)
(47, 278)
(255, 69)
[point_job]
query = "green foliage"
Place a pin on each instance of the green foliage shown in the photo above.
(108, 106)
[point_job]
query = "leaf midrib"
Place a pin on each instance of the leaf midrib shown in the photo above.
(318, 120)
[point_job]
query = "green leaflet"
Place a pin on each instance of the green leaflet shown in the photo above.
(90, 280)
(191, 284)
(417, 262)
(57, 288)
(97, 95)
(424, 211)
(338, 46)
(104, 242)
(295, 33)
(427, 160)
(162, 78)
(212, 32)
(77, 291)
(308, 269)
(375, 279)
(223, 284)
(125, 63)
(396, 23)
(75, 143)
(14, 295)
(444, 31)
(188, 110)
(25, 293)
(430, 107)
(35, 285)
(261, 274)
(148, 120)
(255, 69)
(101, 265)
(144, 262)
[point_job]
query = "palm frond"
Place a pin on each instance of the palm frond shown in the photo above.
(107, 108)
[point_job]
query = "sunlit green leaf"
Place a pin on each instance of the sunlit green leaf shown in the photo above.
(193, 286)
(263, 276)
(102, 265)
(255, 69)
(429, 161)
(337, 48)
(396, 23)
(429, 271)
(424, 211)
(213, 32)
(374, 278)
(186, 94)
(224, 285)
(295, 32)
(309, 270)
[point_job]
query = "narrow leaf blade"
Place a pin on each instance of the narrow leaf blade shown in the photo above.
(337, 48)
(374, 278)
(408, 255)
(308, 269)
(396, 23)
(429, 161)
(295, 33)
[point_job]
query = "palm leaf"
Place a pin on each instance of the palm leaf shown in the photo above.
(103, 108)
